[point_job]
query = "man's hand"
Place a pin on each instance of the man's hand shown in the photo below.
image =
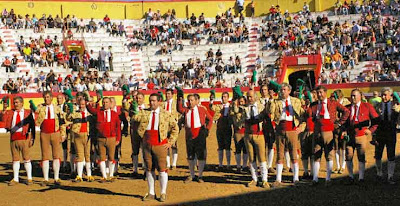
(212, 97)
(337, 126)
(63, 138)
(117, 143)
(368, 133)
(31, 142)
(298, 130)
(167, 146)
(396, 108)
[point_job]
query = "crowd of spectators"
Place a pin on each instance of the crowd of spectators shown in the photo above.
(373, 35)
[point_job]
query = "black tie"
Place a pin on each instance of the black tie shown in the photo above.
(252, 112)
(386, 113)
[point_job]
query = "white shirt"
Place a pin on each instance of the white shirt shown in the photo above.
(196, 116)
(142, 106)
(21, 114)
(107, 117)
(61, 107)
(355, 112)
(51, 107)
(226, 109)
(156, 121)
(255, 111)
(170, 105)
(326, 115)
(284, 117)
(81, 87)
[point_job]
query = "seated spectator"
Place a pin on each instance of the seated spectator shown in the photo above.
(114, 30)
(121, 29)
(106, 21)
(7, 65)
(92, 27)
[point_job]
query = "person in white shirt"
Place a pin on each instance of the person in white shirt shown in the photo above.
(288, 114)
(170, 106)
(254, 139)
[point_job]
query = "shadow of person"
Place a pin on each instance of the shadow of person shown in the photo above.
(89, 190)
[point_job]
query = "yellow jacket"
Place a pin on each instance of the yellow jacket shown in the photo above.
(238, 116)
(74, 120)
(276, 109)
(59, 118)
(167, 126)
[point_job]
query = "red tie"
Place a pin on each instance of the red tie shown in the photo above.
(322, 112)
(106, 118)
(48, 113)
(355, 113)
(153, 121)
(18, 118)
(192, 119)
(168, 106)
(83, 115)
(287, 108)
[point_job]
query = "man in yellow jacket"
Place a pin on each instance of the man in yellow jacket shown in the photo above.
(154, 125)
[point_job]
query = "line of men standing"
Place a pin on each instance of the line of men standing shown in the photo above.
(308, 128)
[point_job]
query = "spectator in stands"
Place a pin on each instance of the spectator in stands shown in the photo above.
(110, 58)
(92, 27)
(81, 26)
(102, 59)
(106, 21)
(114, 30)
(336, 60)
(240, 5)
(7, 64)
(121, 29)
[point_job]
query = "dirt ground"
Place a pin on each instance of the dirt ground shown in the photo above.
(220, 188)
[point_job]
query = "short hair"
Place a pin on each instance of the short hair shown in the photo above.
(286, 85)
(140, 93)
(156, 95)
(106, 98)
(385, 89)
(321, 87)
(227, 93)
(190, 95)
(19, 98)
(47, 93)
(169, 90)
(196, 96)
(339, 93)
(262, 86)
(112, 99)
(357, 90)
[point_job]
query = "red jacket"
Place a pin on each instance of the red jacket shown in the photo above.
(333, 108)
(367, 119)
(100, 123)
(28, 123)
(203, 114)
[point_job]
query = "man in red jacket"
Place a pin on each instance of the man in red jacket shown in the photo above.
(360, 127)
(109, 135)
(324, 113)
(20, 122)
(196, 130)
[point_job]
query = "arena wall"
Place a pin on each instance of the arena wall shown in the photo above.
(134, 9)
